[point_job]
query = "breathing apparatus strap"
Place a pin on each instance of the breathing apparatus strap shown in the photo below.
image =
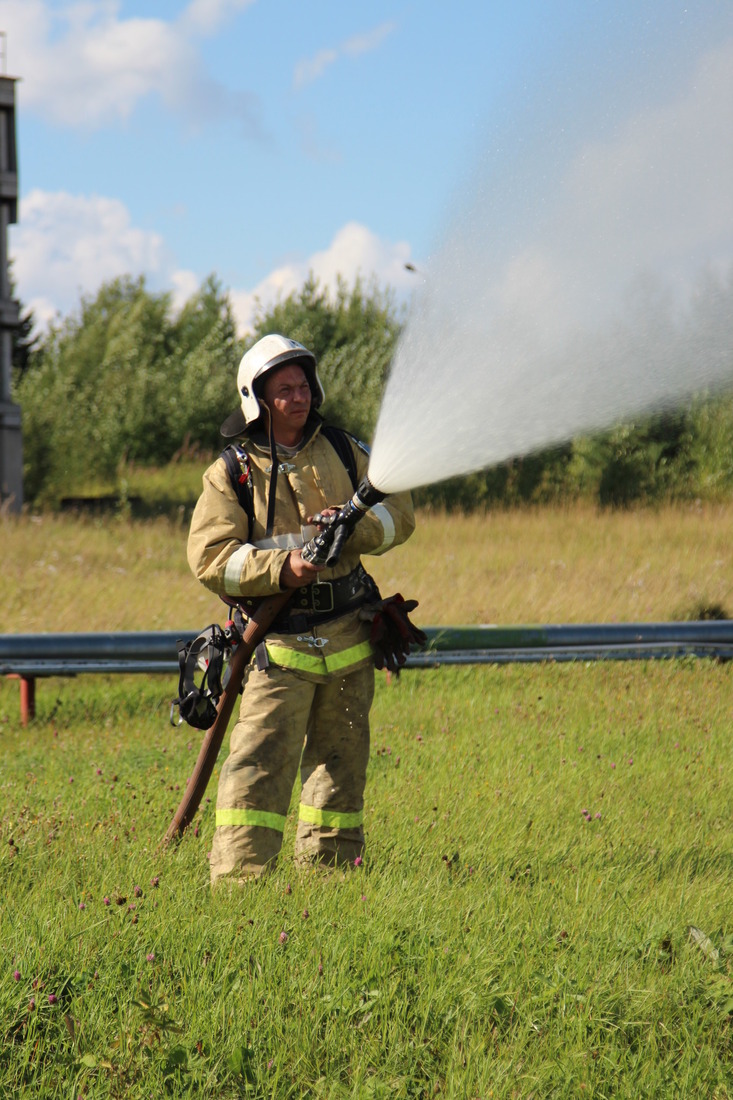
(207, 653)
(238, 467)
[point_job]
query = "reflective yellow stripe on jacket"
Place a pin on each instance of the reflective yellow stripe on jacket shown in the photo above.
(319, 663)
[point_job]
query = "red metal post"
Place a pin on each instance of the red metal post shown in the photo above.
(27, 699)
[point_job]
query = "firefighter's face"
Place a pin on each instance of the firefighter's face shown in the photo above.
(288, 397)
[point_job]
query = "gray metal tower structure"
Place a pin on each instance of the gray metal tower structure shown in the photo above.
(11, 442)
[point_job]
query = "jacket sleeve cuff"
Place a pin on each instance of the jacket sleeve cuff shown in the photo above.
(254, 572)
(375, 533)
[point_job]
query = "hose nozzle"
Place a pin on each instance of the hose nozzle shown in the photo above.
(366, 496)
(326, 547)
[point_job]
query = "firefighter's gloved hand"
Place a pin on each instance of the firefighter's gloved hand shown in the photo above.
(392, 633)
(326, 518)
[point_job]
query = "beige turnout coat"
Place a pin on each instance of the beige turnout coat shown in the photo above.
(233, 561)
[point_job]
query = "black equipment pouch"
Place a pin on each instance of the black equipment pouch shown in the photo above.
(209, 654)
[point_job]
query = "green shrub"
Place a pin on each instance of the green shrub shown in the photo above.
(124, 382)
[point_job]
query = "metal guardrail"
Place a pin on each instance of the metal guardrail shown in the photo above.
(32, 656)
(574, 642)
(73, 654)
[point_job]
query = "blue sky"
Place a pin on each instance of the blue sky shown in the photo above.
(262, 139)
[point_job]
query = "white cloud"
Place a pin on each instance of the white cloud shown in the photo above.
(83, 66)
(354, 251)
(654, 197)
(658, 195)
(311, 69)
(68, 245)
(65, 246)
(184, 286)
(370, 40)
(206, 16)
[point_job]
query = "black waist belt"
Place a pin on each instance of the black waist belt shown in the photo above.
(324, 597)
(318, 602)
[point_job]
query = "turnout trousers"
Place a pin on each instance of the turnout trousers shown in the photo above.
(288, 720)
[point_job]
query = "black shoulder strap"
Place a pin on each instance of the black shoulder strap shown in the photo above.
(339, 440)
(237, 464)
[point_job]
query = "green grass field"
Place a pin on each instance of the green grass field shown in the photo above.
(544, 909)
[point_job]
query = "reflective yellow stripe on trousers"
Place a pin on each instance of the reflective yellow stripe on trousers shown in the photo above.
(330, 819)
(319, 663)
(251, 817)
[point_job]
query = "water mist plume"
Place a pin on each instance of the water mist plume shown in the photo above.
(588, 276)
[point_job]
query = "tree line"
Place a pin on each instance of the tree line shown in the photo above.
(124, 379)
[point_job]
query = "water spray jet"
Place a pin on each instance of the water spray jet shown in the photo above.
(586, 277)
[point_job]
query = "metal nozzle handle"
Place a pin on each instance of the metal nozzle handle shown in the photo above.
(326, 547)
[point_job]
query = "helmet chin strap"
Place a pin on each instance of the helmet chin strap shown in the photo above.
(273, 476)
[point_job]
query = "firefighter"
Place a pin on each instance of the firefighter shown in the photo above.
(308, 691)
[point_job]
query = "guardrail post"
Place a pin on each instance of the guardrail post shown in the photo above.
(27, 699)
(27, 696)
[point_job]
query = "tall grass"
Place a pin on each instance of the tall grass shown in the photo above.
(522, 566)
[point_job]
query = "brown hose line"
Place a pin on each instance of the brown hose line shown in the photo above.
(256, 629)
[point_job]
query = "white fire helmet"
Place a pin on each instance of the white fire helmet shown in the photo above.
(267, 354)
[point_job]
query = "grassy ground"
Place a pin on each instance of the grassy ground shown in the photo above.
(544, 565)
(542, 839)
(544, 910)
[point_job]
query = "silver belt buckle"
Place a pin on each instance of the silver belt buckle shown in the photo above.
(317, 600)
